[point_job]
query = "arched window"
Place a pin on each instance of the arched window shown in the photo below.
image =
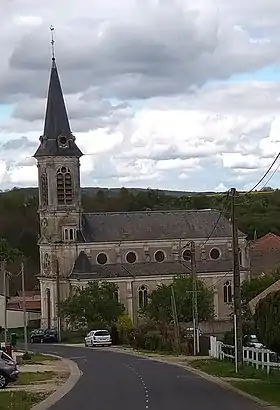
(44, 189)
(143, 296)
(48, 297)
(240, 256)
(227, 292)
(64, 186)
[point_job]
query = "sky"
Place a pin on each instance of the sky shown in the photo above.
(165, 94)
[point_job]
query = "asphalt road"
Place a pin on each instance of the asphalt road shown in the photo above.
(118, 381)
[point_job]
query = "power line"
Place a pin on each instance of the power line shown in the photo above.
(271, 176)
(263, 177)
(218, 220)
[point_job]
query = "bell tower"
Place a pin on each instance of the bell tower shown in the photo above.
(58, 161)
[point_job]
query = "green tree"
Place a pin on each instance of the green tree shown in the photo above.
(7, 252)
(94, 305)
(267, 319)
(159, 302)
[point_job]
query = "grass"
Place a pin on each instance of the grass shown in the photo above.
(265, 390)
(36, 358)
(20, 400)
(34, 377)
(255, 382)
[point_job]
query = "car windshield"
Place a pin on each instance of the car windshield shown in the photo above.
(102, 333)
(6, 357)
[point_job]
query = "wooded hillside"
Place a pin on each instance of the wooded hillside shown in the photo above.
(258, 212)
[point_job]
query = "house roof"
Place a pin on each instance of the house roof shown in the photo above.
(272, 288)
(83, 269)
(56, 123)
(155, 225)
(270, 241)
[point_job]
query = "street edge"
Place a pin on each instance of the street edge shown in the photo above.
(202, 374)
(75, 374)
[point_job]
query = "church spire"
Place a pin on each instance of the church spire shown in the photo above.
(57, 139)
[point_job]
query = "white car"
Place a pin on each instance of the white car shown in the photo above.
(98, 338)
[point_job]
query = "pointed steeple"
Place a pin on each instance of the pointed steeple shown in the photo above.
(56, 119)
(57, 139)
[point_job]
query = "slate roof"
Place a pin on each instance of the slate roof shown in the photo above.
(84, 270)
(155, 225)
(56, 122)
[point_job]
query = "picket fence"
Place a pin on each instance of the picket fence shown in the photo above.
(263, 359)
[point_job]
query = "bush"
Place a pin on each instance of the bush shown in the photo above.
(267, 319)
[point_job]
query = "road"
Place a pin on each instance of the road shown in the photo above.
(118, 381)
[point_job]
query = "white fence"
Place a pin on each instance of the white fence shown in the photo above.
(260, 358)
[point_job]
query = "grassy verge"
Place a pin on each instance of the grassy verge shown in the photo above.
(255, 382)
(20, 400)
(36, 358)
(34, 377)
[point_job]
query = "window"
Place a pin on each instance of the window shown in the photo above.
(69, 234)
(131, 257)
(215, 253)
(187, 255)
(240, 256)
(227, 292)
(159, 256)
(44, 189)
(143, 296)
(64, 186)
(102, 258)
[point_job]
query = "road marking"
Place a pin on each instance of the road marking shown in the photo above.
(143, 384)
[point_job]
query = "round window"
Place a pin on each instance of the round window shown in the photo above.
(187, 255)
(131, 257)
(159, 256)
(63, 140)
(215, 253)
(101, 258)
(63, 170)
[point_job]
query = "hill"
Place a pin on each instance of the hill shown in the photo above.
(19, 219)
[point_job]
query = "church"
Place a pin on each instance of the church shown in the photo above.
(135, 250)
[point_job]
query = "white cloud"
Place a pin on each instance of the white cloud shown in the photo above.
(147, 89)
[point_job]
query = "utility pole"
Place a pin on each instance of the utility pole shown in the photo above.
(236, 286)
(175, 320)
(24, 306)
(3, 272)
(58, 301)
(196, 347)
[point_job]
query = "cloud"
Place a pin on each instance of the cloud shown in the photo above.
(149, 90)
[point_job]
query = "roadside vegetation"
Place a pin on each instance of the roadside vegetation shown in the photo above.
(20, 400)
(255, 382)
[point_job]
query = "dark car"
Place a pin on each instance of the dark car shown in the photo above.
(8, 370)
(44, 336)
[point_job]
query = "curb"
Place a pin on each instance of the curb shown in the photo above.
(206, 376)
(75, 374)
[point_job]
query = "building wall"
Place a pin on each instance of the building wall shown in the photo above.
(14, 317)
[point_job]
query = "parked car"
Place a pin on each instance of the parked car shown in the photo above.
(252, 341)
(8, 370)
(98, 338)
(44, 336)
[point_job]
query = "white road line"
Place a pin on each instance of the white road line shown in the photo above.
(143, 384)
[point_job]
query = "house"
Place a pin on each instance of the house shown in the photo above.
(265, 254)
(272, 288)
(135, 250)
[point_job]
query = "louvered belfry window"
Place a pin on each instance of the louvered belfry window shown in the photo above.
(44, 189)
(64, 186)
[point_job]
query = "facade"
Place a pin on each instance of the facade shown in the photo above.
(136, 250)
(265, 254)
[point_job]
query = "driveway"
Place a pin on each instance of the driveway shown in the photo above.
(118, 381)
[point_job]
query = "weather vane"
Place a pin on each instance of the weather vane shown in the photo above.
(52, 42)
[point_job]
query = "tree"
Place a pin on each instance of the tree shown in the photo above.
(267, 319)
(7, 252)
(159, 302)
(95, 305)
